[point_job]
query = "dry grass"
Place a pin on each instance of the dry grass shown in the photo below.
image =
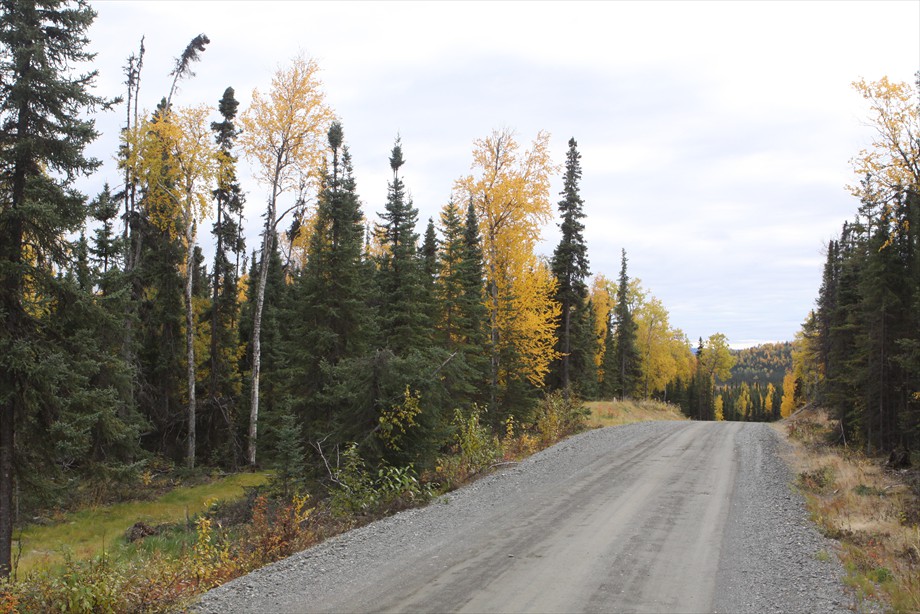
(873, 512)
(615, 413)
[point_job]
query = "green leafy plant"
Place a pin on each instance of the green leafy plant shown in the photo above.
(358, 490)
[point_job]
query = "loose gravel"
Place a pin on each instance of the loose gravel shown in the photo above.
(774, 558)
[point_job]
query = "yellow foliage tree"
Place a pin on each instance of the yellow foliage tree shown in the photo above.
(684, 357)
(787, 406)
(807, 366)
(768, 400)
(510, 191)
(743, 402)
(719, 408)
(665, 351)
(179, 162)
(602, 301)
(654, 338)
(893, 160)
(717, 359)
(284, 136)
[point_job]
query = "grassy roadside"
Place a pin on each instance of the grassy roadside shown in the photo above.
(873, 512)
(86, 533)
(615, 413)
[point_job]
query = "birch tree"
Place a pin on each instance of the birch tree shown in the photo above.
(284, 137)
(179, 163)
(510, 192)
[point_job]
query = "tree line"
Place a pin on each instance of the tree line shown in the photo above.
(120, 342)
(858, 352)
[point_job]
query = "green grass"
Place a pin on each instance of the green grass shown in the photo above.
(85, 533)
(615, 413)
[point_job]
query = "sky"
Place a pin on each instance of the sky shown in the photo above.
(715, 137)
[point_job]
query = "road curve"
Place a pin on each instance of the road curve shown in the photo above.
(654, 517)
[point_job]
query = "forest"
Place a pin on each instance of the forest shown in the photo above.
(858, 352)
(340, 331)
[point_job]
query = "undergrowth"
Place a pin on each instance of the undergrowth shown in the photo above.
(873, 512)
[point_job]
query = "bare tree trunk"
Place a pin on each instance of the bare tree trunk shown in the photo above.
(131, 235)
(568, 352)
(190, 342)
(12, 237)
(267, 240)
(493, 325)
(7, 417)
(213, 359)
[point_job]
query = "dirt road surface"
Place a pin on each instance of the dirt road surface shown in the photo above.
(654, 517)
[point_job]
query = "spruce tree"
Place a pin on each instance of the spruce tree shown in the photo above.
(158, 344)
(449, 290)
(330, 320)
(583, 379)
(609, 384)
(626, 349)
(844, 357)
(473, 313)
(885, 299)
(107, 248)
(289, 459)
(458, 304)
(223, 385)
(333, 271)
(570, 267)
(429, 253)
(403, 319)
(44, 134)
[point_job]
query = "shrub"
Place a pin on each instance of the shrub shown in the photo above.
(358, 490)
(473, 449)
(277, 530)
(558, 417)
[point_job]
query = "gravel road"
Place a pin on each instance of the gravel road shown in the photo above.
(650, 517)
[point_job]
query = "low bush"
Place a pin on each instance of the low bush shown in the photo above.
(358, 490)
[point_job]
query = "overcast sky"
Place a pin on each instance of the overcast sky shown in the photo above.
(715, 137)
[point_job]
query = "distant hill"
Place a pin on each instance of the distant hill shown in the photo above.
(761, 364)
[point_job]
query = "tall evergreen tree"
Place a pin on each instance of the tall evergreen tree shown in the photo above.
(626, 355)
(609, 384)
(224, 384)
(570, 266)
(583, 378)
(885, 293)
(449, 290)
(403, 319)
(827, 306)
(333, 322)
(473, 313)
(157, 291)
(44, 134)
(429, 253)
(459, 307)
